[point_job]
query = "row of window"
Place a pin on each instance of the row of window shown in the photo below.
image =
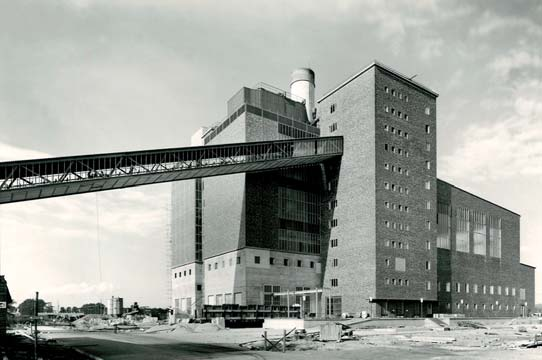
(333, 223)
(394, 187)
(183, 273)
(397, 282)
(228, 298)
(285, 262)
(334, 242)
(399, 132)
(396, 150)
(466, 288)
(333, 127)
(397, 244)
(399, 114)
(484, 307)
(230, 261)
(396, 94)
(486, 231)
(396, 169)
(396, 226)
(395, 206)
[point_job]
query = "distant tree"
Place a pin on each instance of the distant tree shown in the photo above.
(69, 309)
(97, 308)
(62, 309)
(27, 306)
(75, 309)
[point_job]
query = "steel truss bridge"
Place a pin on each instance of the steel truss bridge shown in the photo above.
(71, 175)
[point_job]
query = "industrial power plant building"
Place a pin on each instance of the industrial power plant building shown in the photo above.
(374, 232)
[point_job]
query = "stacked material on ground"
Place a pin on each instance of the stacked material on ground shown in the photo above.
(93, 322)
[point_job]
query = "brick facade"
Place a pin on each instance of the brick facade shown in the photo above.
(479, 270)
(377, 216)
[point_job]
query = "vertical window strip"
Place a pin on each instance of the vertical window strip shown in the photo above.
(443, 226)
(462, 238)
(479, 232)
(494, 236)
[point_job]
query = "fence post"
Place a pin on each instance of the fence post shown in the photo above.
(284, 341)
(265, 340)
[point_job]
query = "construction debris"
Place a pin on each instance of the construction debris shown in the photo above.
(471, 324)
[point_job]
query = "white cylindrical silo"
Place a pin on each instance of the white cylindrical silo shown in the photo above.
(302, 86)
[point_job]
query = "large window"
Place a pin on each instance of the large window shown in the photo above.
(268, 298)
(299, 213)
(494, 236)
(462, 230)
(443, 226)
(479, 232)
(334, 307)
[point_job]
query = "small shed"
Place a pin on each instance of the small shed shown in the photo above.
(5, 300)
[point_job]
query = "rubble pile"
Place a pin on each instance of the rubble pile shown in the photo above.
(106, 322)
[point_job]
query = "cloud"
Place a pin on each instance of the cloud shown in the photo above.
(490, 23)
(431, 48)
(515, 60)
(10, 152)
(60, 236)
(502, 148)
(81, 288)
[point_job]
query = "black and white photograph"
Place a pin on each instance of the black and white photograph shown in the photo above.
(302, 180)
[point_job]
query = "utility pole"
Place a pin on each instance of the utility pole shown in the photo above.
(36, 327)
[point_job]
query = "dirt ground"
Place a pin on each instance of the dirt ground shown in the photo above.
(503, 342)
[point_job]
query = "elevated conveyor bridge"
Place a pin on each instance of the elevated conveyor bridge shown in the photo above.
(71, 175)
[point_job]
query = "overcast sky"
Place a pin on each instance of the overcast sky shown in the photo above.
(86, 76)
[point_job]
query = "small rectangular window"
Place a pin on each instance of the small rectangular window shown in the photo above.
(238, 260)
(334, 282)
(209, 266)
(332, 127)
(271, 261)
(332, 108)
(400, 264)
(428, 285)
(427, 129)
(428, 147)
(312, 264)
(256, 259)
(428, 164)
(299, 263)
(428, 265)
(428, 185)
(335, 262)
(427, 111)
(286, 262)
